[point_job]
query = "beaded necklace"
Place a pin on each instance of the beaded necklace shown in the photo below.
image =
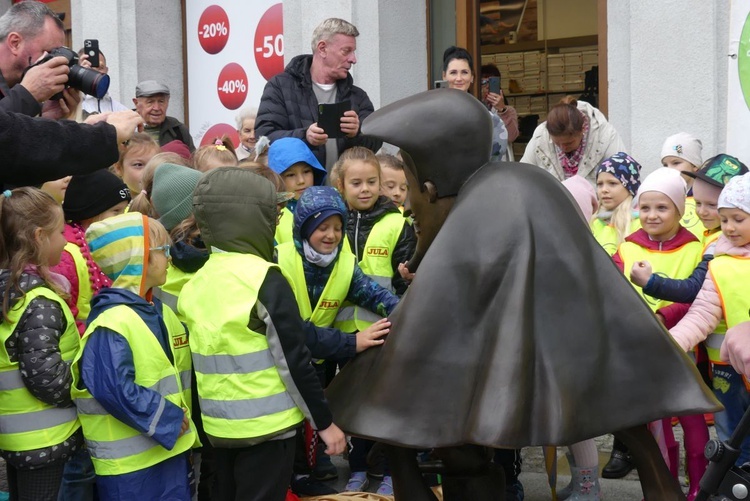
(96, 276)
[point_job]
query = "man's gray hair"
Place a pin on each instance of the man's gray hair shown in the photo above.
(27, 18)
(330, 27)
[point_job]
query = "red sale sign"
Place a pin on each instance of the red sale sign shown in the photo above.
(269, 42)
(232, 86)
(213, 29)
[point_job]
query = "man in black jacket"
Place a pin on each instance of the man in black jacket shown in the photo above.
(289, 106)
(27, 31)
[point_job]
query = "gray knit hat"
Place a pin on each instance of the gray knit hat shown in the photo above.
(172, 193)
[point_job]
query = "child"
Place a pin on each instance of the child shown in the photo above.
(39, 429)
(133, 159)
(682, 152)
(674, 252)
(241, 311)
(617, 181)
(292, 159)
(220, 153)
(90, 198)
(323, 277)
(727, 384)
(131, 377)
(393, 185)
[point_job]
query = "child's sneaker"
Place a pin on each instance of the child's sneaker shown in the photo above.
(357, 482)
(386, 486)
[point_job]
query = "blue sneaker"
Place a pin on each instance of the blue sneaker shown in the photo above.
(357, 482)
(386, 486)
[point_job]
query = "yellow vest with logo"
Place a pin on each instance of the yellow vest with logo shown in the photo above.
(115, 447)
(285, 227)
(27, 423)
(241, 391)
(169, 293)
(677, 264)
(730, 274)
(376, 264)
(690, 219)
(334, 293)
(606, 234)
(85, 292)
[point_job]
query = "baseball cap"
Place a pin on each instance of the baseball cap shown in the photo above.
(150, 88)
(718, 170)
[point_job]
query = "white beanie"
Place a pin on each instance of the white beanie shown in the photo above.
(685, 146)
(736, 194)
(667, 181)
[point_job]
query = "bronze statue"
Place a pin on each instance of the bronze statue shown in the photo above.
(518, 329)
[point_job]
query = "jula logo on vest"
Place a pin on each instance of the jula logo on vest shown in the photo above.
(377, 251)
(329, 304)
(180, 341)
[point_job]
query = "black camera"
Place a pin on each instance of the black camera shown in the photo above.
(86, 80)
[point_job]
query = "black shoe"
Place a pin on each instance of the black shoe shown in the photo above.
(308, 486)
(619, 465)
(325, 469)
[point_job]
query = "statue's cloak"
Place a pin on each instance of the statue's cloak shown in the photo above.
(518, 330)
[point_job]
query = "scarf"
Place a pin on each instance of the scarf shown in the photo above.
(570, 161)
(316, 258)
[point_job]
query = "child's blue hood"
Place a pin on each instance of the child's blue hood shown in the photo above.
(316, 199)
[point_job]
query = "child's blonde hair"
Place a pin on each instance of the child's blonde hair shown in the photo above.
(157, 235)
(357, 153)
(390, 161)
(220, 150)
(139, 141)
(621, 219)
(21, 214)
(142, 201)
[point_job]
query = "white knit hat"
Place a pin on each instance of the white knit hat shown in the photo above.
(685, 146)
(667, 181)
(736, 194)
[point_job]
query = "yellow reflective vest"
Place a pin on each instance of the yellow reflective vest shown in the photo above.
(334, 293)
(690, 219)
(27, 423)
(241, 391)
(115, 447)
(677, 263)
(285, 227)
(606, 234)
(376, 264)
(85, 292)
(730, 275)
(169, 293)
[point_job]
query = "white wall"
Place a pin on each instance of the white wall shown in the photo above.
(391, 47)
(667, 64)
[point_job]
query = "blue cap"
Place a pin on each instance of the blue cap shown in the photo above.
(288, 151)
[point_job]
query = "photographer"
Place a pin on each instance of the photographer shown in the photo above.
(27, 31)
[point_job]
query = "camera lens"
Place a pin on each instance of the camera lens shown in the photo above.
(88, 81)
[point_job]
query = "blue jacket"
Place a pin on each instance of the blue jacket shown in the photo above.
(108, 372)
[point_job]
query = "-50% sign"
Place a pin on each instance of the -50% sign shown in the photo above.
(269, 42)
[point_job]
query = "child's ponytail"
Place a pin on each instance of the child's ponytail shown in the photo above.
(622, 218)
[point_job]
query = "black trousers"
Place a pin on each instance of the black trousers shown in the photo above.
(42, 484)
(258, 473)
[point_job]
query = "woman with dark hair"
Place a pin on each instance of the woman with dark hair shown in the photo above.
(459, 73)
(507, 113)
(574, 140)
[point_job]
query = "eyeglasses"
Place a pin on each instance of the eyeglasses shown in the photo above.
(164, 248)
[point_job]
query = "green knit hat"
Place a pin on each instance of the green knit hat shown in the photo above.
(172, 193)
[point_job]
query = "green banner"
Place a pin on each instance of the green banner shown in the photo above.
(743, 61)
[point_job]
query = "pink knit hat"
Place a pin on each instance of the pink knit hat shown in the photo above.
(667, 181)
(584, 195)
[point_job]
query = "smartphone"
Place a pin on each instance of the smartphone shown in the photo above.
(329, 117)
(440, 84)
(495, 85)
(91, 49)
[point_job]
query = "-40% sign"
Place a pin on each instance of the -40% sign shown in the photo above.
(232, 86)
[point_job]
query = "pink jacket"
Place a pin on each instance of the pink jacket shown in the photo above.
(705, 313)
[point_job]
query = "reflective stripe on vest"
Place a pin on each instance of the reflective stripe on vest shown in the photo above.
(85, 292)
(115, 447)
(677, 264)
(284, 229)
(376, 264)
(690, 219)
(334, 293)
(606, 234)
(241, 391)
(27, 423)
(730, 275)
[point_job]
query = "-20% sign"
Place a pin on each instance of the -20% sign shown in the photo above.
(213, 29)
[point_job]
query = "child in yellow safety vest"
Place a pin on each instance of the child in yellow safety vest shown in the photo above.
(39, 429)
(132, 375)
(89, 198)
(617, 180)
(673, 251)
(682, 152)
(727, 384)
